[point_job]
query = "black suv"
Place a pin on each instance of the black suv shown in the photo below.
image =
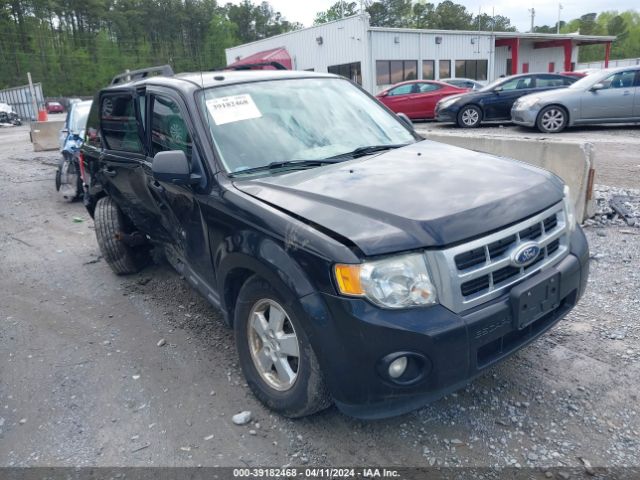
(356, 262)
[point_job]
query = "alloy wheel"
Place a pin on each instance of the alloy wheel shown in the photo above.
(274, 345)
(470, 117)
(552, 120)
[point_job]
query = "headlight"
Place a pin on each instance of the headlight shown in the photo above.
(396, 282)
(446, 102)
(569, 209)
(527, 102)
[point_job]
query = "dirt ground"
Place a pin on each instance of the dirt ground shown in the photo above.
(83, 381)
(616, 146)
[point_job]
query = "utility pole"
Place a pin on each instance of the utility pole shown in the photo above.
(532, 11)
(34, 100)
(558, 24)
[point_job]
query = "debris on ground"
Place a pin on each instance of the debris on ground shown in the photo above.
(242, 418)
(615, 206)
(161, 343)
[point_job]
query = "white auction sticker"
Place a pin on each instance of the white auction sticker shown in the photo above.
(232, 109)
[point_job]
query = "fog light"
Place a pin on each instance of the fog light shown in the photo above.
(397, 367)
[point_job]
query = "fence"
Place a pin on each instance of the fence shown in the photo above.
(20, 99)
(626, 62)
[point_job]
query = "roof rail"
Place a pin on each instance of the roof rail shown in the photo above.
(251, 66)
(128, 76)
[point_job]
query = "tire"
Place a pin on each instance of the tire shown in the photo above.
(306, 393)
(109, 221)
(68, 181)
(469, 116)
(552, 119)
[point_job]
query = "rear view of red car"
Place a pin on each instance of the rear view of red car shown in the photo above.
(418, 98)
(54, 107)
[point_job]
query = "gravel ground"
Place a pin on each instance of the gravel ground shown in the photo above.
(616, 146)
(99, 370)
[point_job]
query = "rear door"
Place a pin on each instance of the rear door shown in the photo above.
(121, 160)
(498, 105)
(171, 128)
(615, 100)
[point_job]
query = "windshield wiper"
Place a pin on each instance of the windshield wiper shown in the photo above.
(288, 164)
(368, 150)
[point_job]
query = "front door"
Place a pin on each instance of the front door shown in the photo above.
(498, 106)
(399, 99)
(181, 216)
(615, 100)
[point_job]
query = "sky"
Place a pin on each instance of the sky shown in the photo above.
(304, 11)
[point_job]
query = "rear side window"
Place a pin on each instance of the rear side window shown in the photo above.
(168, 128)
(428, 87)
(92, 133)
(119, 124)
(550, 81)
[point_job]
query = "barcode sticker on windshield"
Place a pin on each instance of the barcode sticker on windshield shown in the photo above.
(232, 109)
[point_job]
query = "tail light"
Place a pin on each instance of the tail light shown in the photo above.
(81, 164)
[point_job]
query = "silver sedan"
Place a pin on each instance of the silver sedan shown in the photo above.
(608, 96)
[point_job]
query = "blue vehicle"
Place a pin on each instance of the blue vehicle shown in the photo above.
(68, 177)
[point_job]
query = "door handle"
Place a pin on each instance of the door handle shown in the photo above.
(156, 186)
(109, 171)
(626, 93)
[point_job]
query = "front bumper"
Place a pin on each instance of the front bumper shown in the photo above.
(525, 117)
(449, 114)
(351, 336)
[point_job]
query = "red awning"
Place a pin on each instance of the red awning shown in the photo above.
(279, 55)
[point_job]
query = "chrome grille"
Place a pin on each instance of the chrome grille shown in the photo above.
(475, 272)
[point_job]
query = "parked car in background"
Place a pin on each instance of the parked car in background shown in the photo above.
(464, 83)
(417, 98)
(8, 115)
(69, 180)
(54, 107)
(609, 96)
(574, 74)
(494, 101)
(356, 262)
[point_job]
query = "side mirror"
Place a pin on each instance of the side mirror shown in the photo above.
(597, 86)
(406, 120)
(498, 89)
(173, 167)
(383, 94)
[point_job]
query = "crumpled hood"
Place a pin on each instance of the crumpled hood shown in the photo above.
(423, 195)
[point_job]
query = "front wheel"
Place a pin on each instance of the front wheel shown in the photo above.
(469, 117)
(275, 355)
(68, 181)
(552, 119)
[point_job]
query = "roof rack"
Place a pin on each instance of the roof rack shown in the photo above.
(250, 66)
(161, 70)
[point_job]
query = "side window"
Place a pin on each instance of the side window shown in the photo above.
(620, 80)
(168, 128)
(402, 90)
(548, 81)
(92, 135)
(427, 87)
(119, 125)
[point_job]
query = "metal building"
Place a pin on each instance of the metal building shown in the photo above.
(376, 57)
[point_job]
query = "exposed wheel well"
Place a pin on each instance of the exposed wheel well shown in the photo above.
(236, 278)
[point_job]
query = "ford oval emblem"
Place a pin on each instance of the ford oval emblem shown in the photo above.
(525, 254)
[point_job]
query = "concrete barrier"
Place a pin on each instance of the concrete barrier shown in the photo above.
(573, 162)
(44, 135)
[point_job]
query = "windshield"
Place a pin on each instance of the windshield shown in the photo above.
(590, 80)
(494, 84)
(78, 119)
(261, 123)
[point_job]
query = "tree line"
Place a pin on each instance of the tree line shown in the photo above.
(74, 47)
